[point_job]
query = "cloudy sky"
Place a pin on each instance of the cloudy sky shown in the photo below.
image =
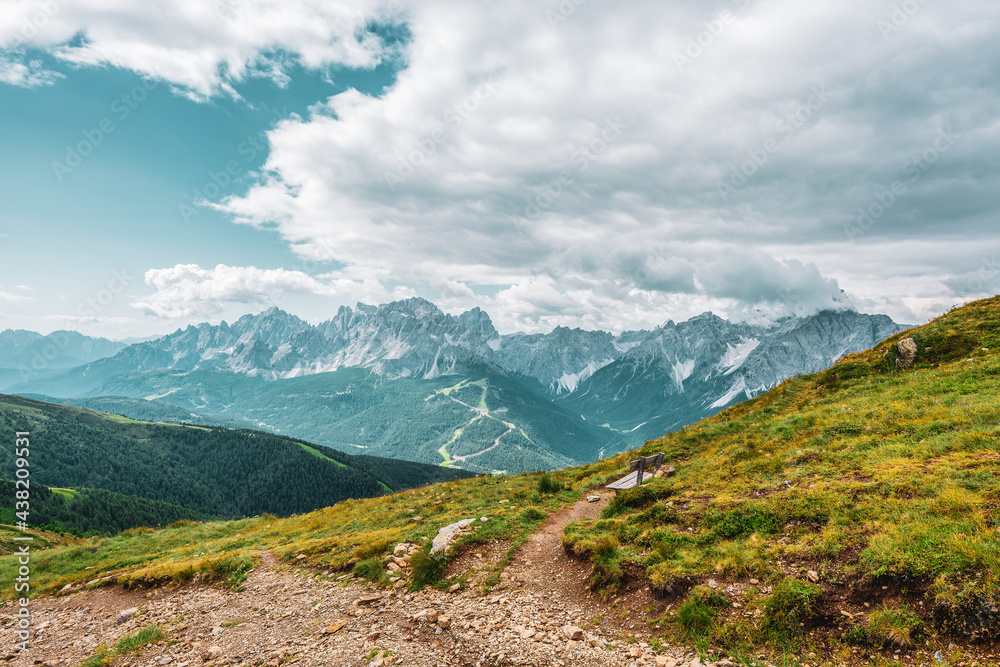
(555, 163)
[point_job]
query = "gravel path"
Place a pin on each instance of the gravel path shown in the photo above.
(542, 614)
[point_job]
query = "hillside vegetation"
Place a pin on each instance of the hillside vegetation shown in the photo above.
(871, 489)
(853, 510)
(211, 470)
(356, 411)
(87, 511)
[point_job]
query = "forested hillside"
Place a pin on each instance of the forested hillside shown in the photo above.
(217, 471)
(90, 511)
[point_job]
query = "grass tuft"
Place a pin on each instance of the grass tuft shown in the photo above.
(791, 605)
(546, 484)
(131, 643)
(372, 570)
(426, 569)
(697, 613)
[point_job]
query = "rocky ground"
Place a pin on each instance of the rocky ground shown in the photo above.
(541, 614)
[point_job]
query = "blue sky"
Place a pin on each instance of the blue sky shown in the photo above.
(573, 165)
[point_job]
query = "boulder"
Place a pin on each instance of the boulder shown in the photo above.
(907, 349)
(447, 535)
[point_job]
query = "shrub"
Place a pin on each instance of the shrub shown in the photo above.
(548, 485)
(372, 570)
(532, 514)
(425, 568)
(697, 614)
(792, 602)
(893, 626)
(637, 496)
(607, 574)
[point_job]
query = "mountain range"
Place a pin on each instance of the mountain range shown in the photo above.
(407, 380)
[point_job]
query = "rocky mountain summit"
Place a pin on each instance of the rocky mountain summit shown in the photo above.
(606, 392)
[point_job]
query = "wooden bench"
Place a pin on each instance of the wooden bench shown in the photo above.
(637, 472)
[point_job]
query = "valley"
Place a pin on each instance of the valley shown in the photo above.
(845, 517)
(360, 382)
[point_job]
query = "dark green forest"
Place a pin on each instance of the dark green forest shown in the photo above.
(221, 472)
(90, 511)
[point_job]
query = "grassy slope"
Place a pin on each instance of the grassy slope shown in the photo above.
(866, 474)
(335, 538)
(883, 482)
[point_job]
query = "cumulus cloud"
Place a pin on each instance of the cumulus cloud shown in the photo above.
(202, 47)
(512, 151)
(27, 74)
(8, 297)
(187, 290)
(597, 167)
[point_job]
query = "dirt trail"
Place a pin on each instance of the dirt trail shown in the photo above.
(543, 567)
(288, 616)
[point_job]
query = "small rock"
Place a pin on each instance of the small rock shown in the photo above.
(212, 653)
(454, 588)
(484, 519)
(334, 627)
(367, 599)
(813, 576)
(754, 581)
(572, 632)
(444, 621)
(593, 499)
(127, 614)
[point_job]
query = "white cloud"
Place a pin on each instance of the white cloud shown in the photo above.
(187, 290)
(7, 297)
(572, 168)
(29, 74)
(200, 46)
(584, 173)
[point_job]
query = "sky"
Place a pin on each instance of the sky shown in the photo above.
(572, 163)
